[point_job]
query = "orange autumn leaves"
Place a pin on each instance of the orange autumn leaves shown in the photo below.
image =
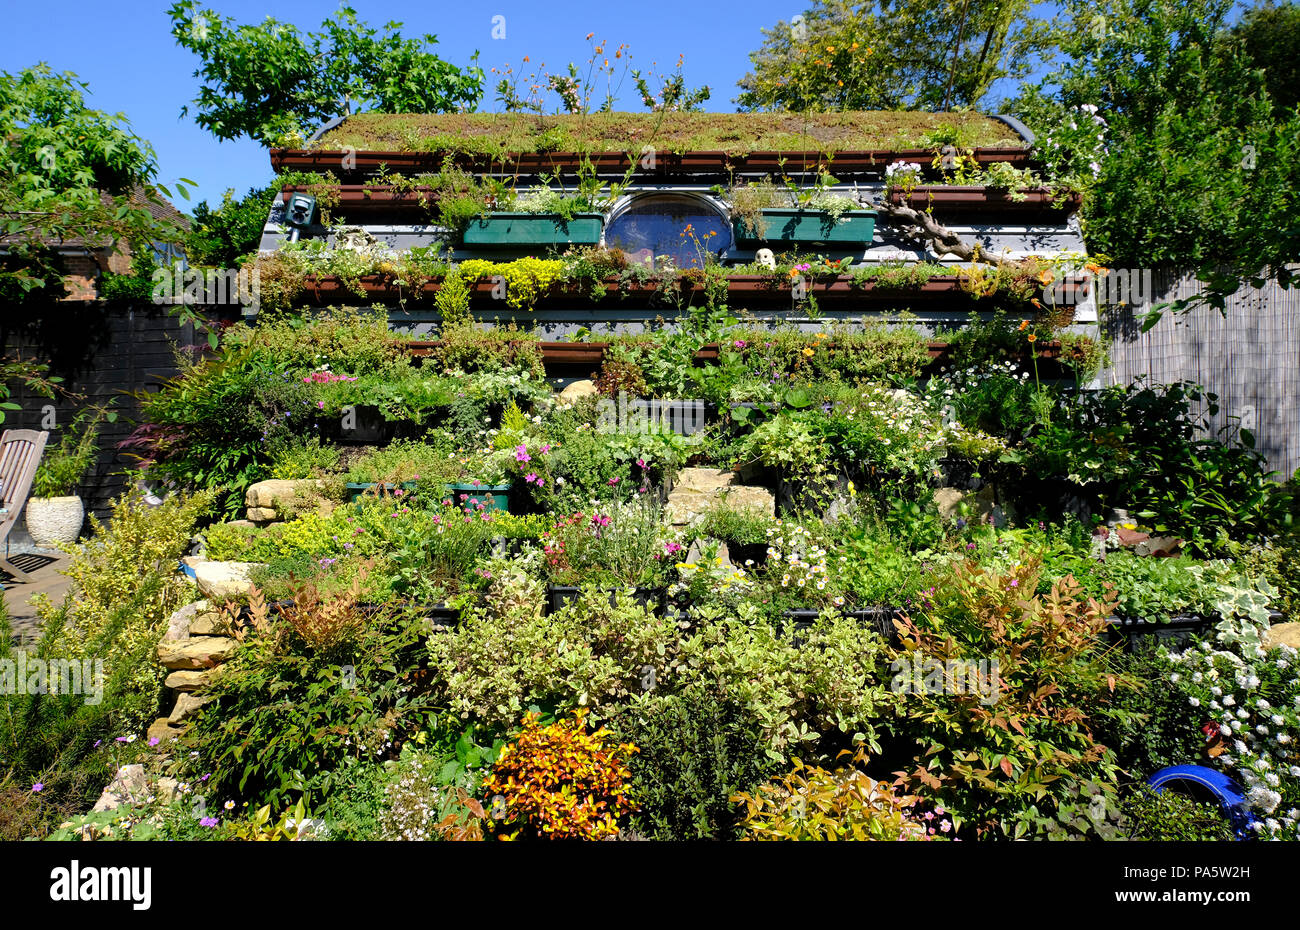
(561, 782)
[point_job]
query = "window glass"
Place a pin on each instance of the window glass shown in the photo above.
(669, 224)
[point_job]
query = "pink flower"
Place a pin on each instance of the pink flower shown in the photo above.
(38, 787)
(521, 454)
(530, 477)
(614, 481)
(545, 449)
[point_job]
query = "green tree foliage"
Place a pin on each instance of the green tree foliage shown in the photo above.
(1157, 109)
(1270, 34)
(274, 84)
(222, 237)
(923, 55)
(66, 172)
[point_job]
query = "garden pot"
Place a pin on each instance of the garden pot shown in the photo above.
(356, 490)
(856, 227)
(557, 595)
(367, 429)
(473, 494)
(53, 520)
(881, 619)
(1139, 635)
(534, 229)
(740, 553)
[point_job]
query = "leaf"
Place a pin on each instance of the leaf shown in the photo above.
(1005, 765)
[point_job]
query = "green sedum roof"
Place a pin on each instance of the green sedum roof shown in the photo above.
(734, 133)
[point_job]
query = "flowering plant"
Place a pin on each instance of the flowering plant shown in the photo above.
(618, 545)
(1250, 699)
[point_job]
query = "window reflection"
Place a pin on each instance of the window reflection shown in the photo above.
(654, 225)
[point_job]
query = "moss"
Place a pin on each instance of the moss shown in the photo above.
(735, 133)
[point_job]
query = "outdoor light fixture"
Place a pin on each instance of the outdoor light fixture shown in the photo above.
(298, 213)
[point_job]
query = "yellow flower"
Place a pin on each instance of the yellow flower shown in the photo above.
(809, 352)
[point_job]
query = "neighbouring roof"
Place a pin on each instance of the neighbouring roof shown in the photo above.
(159, 207)
(735, 133)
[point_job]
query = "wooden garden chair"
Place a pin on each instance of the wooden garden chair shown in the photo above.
(20, 453)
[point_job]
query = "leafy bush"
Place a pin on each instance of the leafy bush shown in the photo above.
(596, 652)
(1166, 816)
(62, 467)
(1006, 759)
(812, 803)
(561, 782)
(695, 751)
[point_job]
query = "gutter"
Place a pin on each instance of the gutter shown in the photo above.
(1020, 128)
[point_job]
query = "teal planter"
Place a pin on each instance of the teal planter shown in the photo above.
(357, 489)
(469, 496)
(856, 227)
(534, 229)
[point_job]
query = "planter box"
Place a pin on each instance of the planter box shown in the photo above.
(952, 198)
(358, 489)
(534, 229)
(1137, 635)
(856, 227)
(370, 428)
(471, 495)
(557, 595)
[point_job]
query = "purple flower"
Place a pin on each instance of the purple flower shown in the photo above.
(208, 822)
(38, 787)
(154, 741)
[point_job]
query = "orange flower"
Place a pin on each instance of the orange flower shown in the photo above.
(1032, 338)
(1024, 324)
(590, 34)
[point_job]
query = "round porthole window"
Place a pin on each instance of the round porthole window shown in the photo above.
(675, 225)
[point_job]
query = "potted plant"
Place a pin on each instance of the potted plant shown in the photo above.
(616, 547)
(490, 477)
(545, 216)
(54, 512)
(763, 212)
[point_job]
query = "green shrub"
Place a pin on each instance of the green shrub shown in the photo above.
(694, 752)
(1166, 816)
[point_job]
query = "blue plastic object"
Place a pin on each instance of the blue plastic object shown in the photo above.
(1224, 790)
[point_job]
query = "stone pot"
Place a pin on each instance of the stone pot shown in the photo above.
(55, 519)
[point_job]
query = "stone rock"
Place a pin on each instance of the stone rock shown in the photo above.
(578, 389)
(191, 679)
(163, 731)
(166, 789)
(198, 653)
(186, 705)
(1159, 546)
(698, 489)
(1282, 634)
(271, 500)
(222, 580)
(982, 504)
(129, 786)
(748, 497)
(180, 623)
(210, 623)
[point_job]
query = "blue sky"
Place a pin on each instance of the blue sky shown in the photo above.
(125, 52)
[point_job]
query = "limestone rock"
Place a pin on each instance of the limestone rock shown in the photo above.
(578, 389)
(221, 580)
(181, 623)
(982, 503)
(186, 705)
(129, 786)
(699, 489)
(209, 623)
(1282, 634)
(191, 679)
(166, 790)
(163, 731)
(270, 500)
(197, 653)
